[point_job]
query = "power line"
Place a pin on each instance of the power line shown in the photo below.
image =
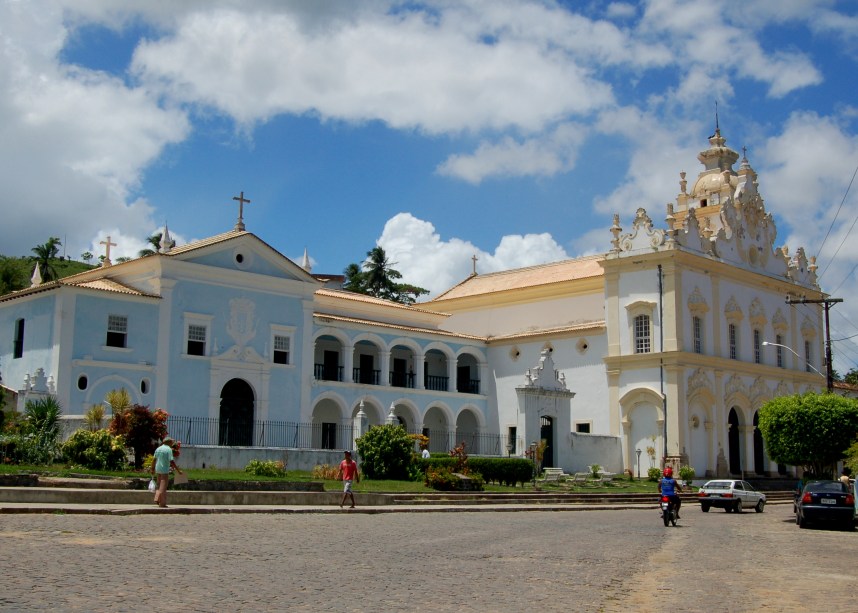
(831, 259)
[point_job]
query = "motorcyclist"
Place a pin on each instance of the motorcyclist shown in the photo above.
(668, 486)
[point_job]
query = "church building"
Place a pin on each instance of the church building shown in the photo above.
(660, 350)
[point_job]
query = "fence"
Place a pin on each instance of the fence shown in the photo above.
(298, 435)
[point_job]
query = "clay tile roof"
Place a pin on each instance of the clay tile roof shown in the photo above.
(109, 285)
(347, 295)
(532, 276)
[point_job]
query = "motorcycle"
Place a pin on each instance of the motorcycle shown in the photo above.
(668, 511)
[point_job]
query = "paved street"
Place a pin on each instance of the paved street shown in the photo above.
(571, 561)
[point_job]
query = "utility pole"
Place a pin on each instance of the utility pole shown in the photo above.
(826, 305)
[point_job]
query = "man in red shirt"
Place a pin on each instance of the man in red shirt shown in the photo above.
(348, 472)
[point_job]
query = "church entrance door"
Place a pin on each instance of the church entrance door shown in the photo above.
(236, 414)
(733, 443)
(546, 433)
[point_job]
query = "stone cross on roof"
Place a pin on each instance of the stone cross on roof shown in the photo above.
(239, 225)
(107, 245)
(475, 258)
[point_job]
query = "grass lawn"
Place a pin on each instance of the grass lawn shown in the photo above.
(365, 486)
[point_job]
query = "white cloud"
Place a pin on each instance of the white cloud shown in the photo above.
(424, 259)
(81, 138)
(544, 156)
(406, 68)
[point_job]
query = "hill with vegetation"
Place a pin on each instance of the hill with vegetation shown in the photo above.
(16, 272)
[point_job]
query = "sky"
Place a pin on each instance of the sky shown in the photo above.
(440, 130)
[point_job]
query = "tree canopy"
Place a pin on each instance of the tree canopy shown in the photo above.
(377, 277)
(44, 257)
(810, 430)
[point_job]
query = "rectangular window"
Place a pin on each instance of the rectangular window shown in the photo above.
(281, 350)
(808, 363)
(582, 427)
(758, 358)
(117, 331)
(697, 324)
(18, 347)
(642, 334)
(780, 352)
(196, 340)
(512, 434)
(732, 332)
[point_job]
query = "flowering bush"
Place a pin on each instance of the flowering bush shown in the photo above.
(654, 473)
(325, 471)
(141, 428)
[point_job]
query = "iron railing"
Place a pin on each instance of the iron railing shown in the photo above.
(298, 435)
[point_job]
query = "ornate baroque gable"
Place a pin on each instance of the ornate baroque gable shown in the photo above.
(758, 313)
(735, 386)
(760, 393)
(779, 322)
(732, 311)
(697, 302)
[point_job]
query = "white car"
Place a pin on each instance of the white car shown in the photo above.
(730, 495)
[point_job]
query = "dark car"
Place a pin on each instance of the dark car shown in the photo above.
(826, 501)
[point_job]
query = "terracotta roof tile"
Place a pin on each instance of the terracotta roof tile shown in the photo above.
(532, 276)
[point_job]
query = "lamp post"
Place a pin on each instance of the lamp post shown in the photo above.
(638, 451)
(533, 457)
(829, 380)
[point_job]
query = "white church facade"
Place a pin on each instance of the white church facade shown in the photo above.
(662, 349)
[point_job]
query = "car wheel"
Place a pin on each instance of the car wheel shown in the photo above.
(738, 508)
(801, 521)
(759, 507)
(797, 521)
(704, 508)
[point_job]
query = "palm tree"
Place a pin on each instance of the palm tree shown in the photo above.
(154, 242)
(45, 254)
(377, 277)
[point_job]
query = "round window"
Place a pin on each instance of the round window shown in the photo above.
(82, 382)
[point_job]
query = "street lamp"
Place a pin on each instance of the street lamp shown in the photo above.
(638, 451)
(809, 365)
(533, 457)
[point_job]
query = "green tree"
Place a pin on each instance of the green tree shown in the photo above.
(851, 377)
(11, 278)
(154, 242)
(44, 257)
(385, 452)
(86, 256)
(809, 430)
(377, 277)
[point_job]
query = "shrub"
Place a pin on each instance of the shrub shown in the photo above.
(266, 468)
(654, 473)
(686, 473)
(141, 428)
(325, 471)
(443, 479)
(34, 437)
(385, 452)
(595, 469)
(97, 449)
(94, 416)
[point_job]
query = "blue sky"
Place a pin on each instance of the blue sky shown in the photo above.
(440, 130)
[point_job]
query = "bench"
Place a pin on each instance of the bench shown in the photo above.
(553, 474)
(580, 477)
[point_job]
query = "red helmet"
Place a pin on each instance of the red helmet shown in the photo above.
(668, 472)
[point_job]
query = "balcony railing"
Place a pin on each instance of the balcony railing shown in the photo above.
(366, 376)
(401, 379)
(435, 383)
(321, 372)
(468, 386)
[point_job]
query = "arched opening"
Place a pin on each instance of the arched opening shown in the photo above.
(236, 414)
(468, 431)
(759, 450)
(733, 442)
(546, 433)
(437, 428)
(467, 375)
